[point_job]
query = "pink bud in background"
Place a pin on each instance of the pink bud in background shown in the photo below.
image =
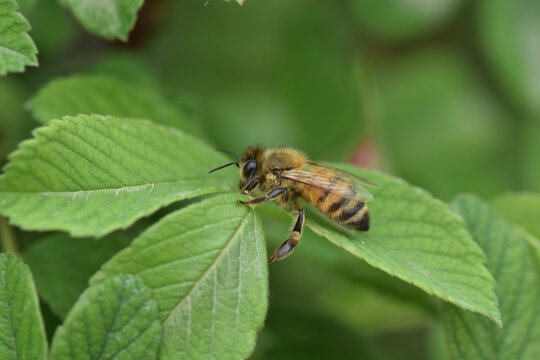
(366, 154)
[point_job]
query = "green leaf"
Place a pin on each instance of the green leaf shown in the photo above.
(111, 19)
(395, 20)
(62, 266)
(17, 49)
(90, 175)
(508, 35)
(517, 273)
(522, 209)
(417, 238)
(22, 335)
(116, 319)
(87, 94)
(207, 268)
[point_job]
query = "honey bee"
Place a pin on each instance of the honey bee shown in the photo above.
(286, 175)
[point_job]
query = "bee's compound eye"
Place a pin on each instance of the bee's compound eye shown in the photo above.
(249, 168)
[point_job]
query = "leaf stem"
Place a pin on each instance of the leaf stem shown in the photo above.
(8, 238)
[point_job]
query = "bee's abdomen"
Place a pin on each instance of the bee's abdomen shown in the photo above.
(349, 211)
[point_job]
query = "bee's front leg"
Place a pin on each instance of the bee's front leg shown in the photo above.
(288, 245)
(271, 195)
(251, 186)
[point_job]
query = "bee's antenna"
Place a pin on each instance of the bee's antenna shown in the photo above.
(224, 166)
(230, 152)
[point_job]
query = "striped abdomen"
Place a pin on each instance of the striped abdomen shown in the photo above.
(349, 210)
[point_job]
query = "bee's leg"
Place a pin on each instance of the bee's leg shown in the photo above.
(271, 195)
(288, 245)
(251, 186)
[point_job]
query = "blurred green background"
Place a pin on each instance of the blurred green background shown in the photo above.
(443, 93)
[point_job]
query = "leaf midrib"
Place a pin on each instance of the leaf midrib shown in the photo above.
(119, 189)
(113, 322)
(240, 226)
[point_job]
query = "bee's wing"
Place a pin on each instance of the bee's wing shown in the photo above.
(354, 178)
(334, 181)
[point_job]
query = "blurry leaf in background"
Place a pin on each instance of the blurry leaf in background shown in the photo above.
(441, 129)
(17, 48)
(347, 302)
(399, 20)
(522, 209)
(106, 95)
(243, 113)
(111, 19)
(53, 29)
(212, 293)
(391, 289)
(90, 175)
(509, 35)
(417, 238)
(291, 70)
(511, 262)
(116, 319)
(62, 266)
(14, 123)
(22, 335)
(126, 67)
(297, 331)
(315, 77)
(530, 154)
(27, 5)
(436, 345)
(51, 320)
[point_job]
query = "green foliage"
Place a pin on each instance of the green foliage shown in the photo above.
(530, 155)
(17, 49)
(293, 87)
(12, 124)
(418, 239)
(517, 274)
(522, 209)
(99, 94)
(443, 94)
(212, 293)
(509, 37)
(22, 335)
(394, 20)
(468, 133)
(111, 19)
(116, 319)
(62, 266)
(90, 175)
(27, 5)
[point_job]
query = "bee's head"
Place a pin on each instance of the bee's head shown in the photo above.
(249, 164)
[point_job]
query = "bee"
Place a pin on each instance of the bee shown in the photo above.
(286, 175)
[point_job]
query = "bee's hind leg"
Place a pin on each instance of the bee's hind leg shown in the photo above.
(288, 245)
